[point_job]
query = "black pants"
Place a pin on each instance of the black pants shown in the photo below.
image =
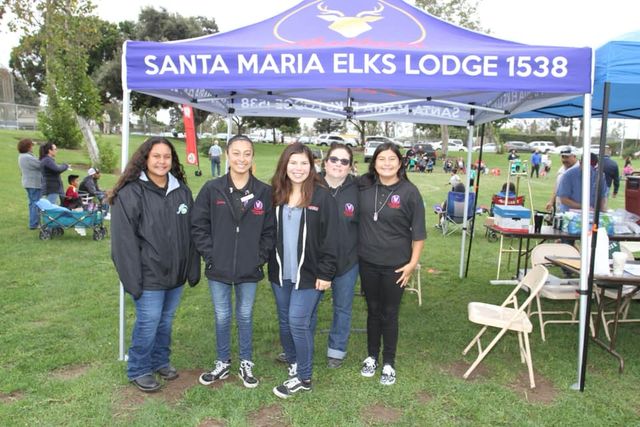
(536, 169)
(383, 297)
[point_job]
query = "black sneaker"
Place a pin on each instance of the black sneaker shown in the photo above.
(219, 372)
(334, 363)
(292, 370)
(282, 358)
(246, 374)
(168, 373)
(147, 383)
(291, 387)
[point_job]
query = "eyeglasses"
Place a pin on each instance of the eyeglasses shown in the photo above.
(343, 162)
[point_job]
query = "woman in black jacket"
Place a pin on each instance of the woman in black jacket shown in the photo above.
(392, 233)
(52, 188)
(303, 262)
(153, 254)
(233, 229)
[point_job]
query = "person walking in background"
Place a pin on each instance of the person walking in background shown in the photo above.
(234, 211)
(628, 167)
(344, 189)
(52, 187)
(391, 237)
(153, 253)
(611, 173)
(31, 179)
(303, 262)
(215, 153)
(106, 123)
(536, 160)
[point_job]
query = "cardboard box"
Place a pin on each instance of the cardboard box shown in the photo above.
(512, 218)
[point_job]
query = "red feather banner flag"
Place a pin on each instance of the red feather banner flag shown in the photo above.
(190, 135)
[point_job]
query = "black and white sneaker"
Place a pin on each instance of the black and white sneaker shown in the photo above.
(369, 366)
(388, 375)
(292, 370)
(291, 387)
(246, 374)
(282, 358)
(219, 372)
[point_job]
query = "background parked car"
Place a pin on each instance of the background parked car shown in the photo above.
(382, 139)
(487, 148)
(325, 139)
(543, 146)
(456, 145)
(519, 146)
(369, 149)
(423, 148)
(560, 148)
(307, 139)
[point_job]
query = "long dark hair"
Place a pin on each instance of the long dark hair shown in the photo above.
(281, 183)
(138, 164)
(44, 149)
(372, 174)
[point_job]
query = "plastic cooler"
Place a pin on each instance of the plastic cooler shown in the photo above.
(632, 194)
(512, 218)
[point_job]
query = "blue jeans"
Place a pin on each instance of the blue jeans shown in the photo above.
(54, 198)
(297, 311)
(342, 289)
(151, 336)
(221, 298)
(215, 166)
(33, 195)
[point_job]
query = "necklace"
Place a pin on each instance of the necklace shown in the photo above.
(377, 210)
(334, 191)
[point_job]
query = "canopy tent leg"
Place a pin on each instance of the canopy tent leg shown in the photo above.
(475, 203)
(466, 190)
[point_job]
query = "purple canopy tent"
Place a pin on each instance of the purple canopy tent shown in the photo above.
(362, 59)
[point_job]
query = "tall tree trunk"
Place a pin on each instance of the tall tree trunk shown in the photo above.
(444, 133)
(89, 140)
(571, 131)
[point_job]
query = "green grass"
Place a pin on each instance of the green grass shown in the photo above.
(60, 312)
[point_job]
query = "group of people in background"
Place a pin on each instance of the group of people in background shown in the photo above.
(313, 230)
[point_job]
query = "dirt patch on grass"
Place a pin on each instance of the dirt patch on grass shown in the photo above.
(545, 392)
(212, 422)
(457, 369)
(70, 372)
(11, 397)
(423, 397)
(268, 416)
(380, 414)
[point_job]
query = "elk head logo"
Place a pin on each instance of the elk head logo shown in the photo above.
(350, 26)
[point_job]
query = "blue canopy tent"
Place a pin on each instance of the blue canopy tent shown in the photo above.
(616, 94)
(362, 59)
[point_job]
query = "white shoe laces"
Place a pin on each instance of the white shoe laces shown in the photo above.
(369, 362)
(388, 370)
(247, 366)
(292, 382)
(220, 366)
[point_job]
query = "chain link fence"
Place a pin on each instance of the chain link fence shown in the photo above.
(16, 116)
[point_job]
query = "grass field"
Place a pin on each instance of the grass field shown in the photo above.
(59, 339)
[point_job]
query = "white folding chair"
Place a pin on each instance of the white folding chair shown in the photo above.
(510, 316)
(557, 292)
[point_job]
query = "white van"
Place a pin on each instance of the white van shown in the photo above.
(543, 146)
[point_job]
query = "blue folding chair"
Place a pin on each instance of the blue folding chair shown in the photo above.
(454, 216)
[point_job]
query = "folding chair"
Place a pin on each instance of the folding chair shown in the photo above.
(510, 316)
(564, 292)
(453, 218)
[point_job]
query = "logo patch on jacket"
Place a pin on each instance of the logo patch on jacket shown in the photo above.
(182, 209)
(220, 202)
(258, 208)
(349, 209)
(394, 203)
(314, 208)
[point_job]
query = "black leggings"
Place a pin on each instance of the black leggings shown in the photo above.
(383, 297)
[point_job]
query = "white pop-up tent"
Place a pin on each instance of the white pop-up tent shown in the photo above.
(362, 59)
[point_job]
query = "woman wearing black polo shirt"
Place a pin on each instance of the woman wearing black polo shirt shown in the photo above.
(391, 237)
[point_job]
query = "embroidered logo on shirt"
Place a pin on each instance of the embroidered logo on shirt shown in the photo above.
(394, 203)
(220, 202)
(182, 209)
(349, 209)
(258, 208)
(314, 208)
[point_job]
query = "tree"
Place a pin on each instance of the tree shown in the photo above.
(23, 93)
(283, 124)
(327, 125)
(364, 127)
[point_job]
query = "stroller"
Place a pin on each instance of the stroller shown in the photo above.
(55, 219)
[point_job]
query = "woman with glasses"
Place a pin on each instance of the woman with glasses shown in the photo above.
(303, 262)
(391, 237)
(344, 189)
(233, 229)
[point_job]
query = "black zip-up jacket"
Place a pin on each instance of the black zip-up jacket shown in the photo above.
(318, 252)
(151, 244)
(346, 197)
(234, 249)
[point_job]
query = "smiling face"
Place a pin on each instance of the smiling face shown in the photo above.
(387, 165)
(240, 156)
(298, 168)
(159, 162)
(338, 164)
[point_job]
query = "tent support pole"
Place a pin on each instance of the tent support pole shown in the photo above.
(124, 156)
(475, 202)
(465, 221)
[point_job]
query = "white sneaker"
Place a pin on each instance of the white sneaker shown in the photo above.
(388, 375)
(246, 374)
(219, 372)
(369, 367)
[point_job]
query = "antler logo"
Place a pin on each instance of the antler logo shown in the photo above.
(350, 26)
